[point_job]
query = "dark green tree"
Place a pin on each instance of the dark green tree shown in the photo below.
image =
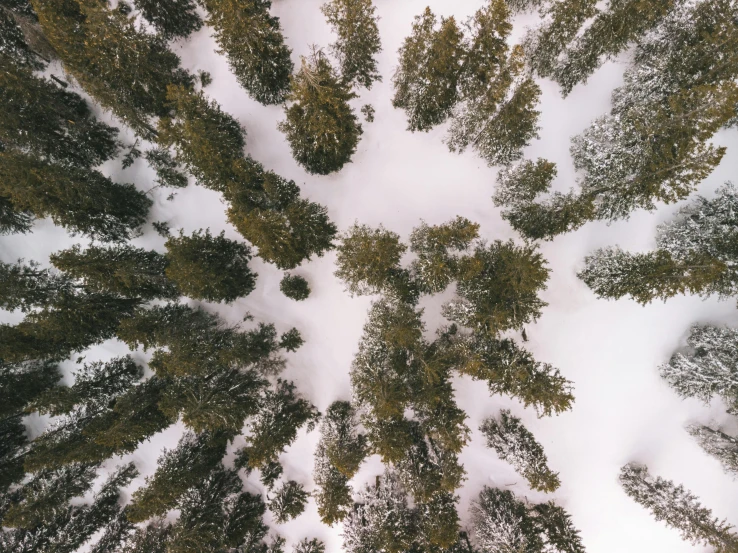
(82, 200)
(309, 546)
(27, 286)
(170, 18)
(294, 287)
(333, 495)
(426, 80)
(344, 446)
(288, 501)
(13, 42)
(12, 220)
(357, 40)
(252, 40)
(502, 523)
(207, 267)
(321, 127)
(121, 269)
(167, 170)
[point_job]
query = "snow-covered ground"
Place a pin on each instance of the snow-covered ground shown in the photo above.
(610, 350)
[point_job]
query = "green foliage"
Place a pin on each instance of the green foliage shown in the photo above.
(13, 43)
(309, 546)
(333, 495)
(368, 111)
(252, 40)
(82, 200)
(294, 287)
(12, 220)
(270, 473)
(288, 502)
(170, 18)
(426, 80)
(28, 286)
(121, 269)
(291, 340)
(355, 24)
(344, 447)
(211, 268)
(321, 127)
(167, 172)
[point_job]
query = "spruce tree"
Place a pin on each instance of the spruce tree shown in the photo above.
(321, 127)
(718, 444)
(426, 80)
(678, 507)
(516, 444)
(357, 40)
(252, 40)
(170, 18)
(13, 44)
(309, 546)
(288, 502)
(344, 447)
(82, 200)
(207, 267)
(502, 523)
(294, 287)
(28, 286)
(12, 220)
(121, 269)
(167, 169)
(333, 495)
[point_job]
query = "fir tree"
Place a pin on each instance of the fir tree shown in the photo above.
(678, 508)
(502, 523)
(321, 127)
(426, 80)
(13, 43)
(170, 18)
(270, 473)
(309, 546)
(167, 172)
(82, 200)
(152, 538)
(355, 24)
(122, 269)
(211, 268)
(288, 502)
(27, 286)
(252, 40)
(333, 495)
(12, 220)
(708, 367)
(294, 287)
(516, 444)
(344, 447)
(718, 444)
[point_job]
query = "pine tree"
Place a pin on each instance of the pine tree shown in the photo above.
(355, 24)
(427, 78)
(718, 444)
(498, 287)
(121, 269)
(39, 118)
(288, 502)
(516, 444)
(502, 523)
(309, 546)
(708, 368)
(558, 533)
(167, 169)
(321, 127)
(677, 507)
(82, 200)
(27, 286)
(207, 267)
(333, 495)
(178, 470)
(13, 44)
(294, 287)
(344, 447)
(252, 40)
(12, 220)
(170, 18)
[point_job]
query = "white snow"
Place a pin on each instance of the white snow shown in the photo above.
(610, 350)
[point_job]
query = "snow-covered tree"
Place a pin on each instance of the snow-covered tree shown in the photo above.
(170, 18)
(333, 495)
(288, 501)
(516, 444)
(344, 446)
(502, 524)
(718, 444)
(309, 546)
(678, 507)
(28, 286)
(294, 287)
(708, 368)
(355, 24)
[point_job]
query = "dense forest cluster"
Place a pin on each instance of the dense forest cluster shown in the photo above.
(61, 61)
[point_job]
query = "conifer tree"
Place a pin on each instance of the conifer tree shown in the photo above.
(718, 444)
(82, 200)
(502, 523)
(207, 267)
(252, 40)
(333, 495)
(27, 286)
(357, 40)
(294, 287)
(708, 367)
(120, 269)
(321, 127)
(167, 169)
(13, 44)
(426, 80)
(309, 546)
(498, 287)
(516, 444)
(12, 220)
(170, 18)
(288, 502)
(344, 447)
(678, 507)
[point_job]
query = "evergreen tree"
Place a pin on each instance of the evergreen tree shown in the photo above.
(12, 220)
(426, 80)
(211, 268)
(123, 68)
(117, 535)
(718, 444)
(321, 126)
(516, 444)
(498, 287)
(344, 447)
(355, 24)
(82, 200)
(678, 508)
(167, 171)
(13, 44)
(333, 495)
(708, 367)
(170, 18)
(270, 473)
(252, 40)
(288, 502)
(38, 117)
(502, 523)
(121, 269)
(309, 546)
(178, 470)
(294, 287)
(558, 533)
(152, 538)
(28, 286)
